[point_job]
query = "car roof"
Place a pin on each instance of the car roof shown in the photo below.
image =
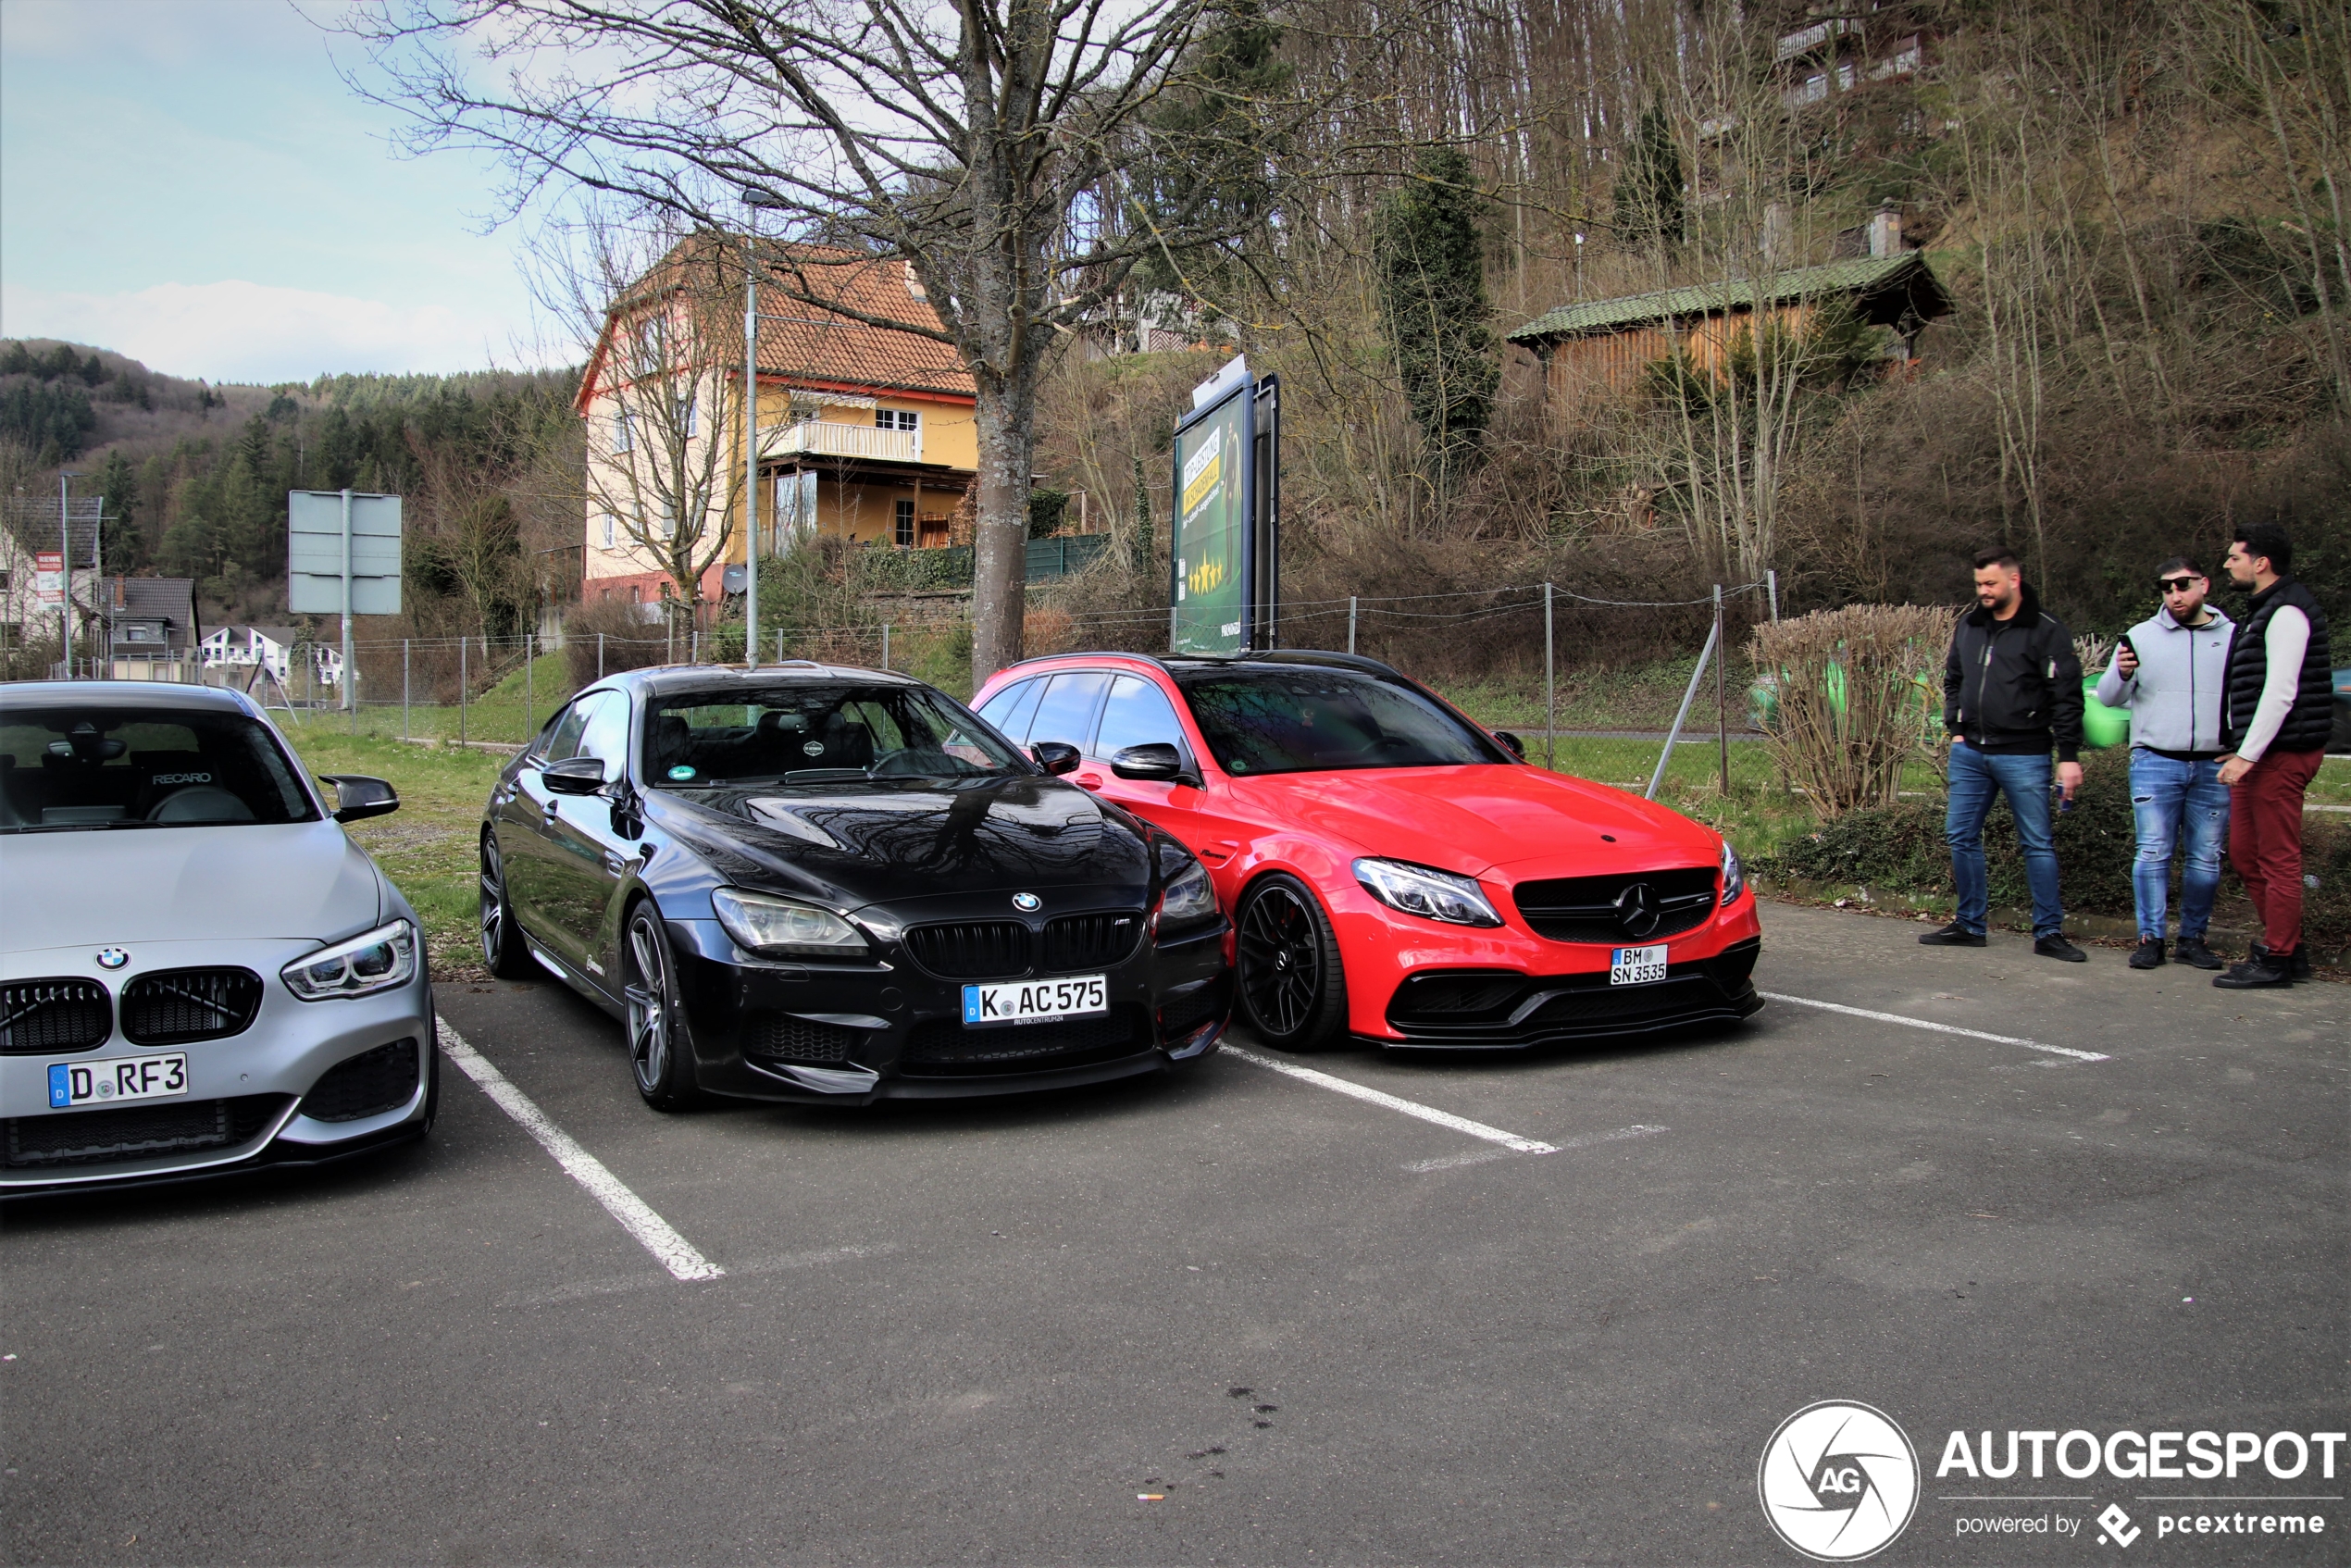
(122, 694)
(1194, 663)
(664, 681)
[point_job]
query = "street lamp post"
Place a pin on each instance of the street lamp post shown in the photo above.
(65, 574)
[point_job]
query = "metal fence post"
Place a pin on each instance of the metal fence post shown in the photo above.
(1550, 689)
(1771, 587)
(1722, 705)
(694, 647)
(404, 689)
(1689, 695)
(600, 655)
(463, 643)
(529, 697)
(1350, 623)
(779, 645)
(885, 645)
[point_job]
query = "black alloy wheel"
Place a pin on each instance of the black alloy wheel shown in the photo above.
(1293, 991)
(501, 944)
(659, 1058)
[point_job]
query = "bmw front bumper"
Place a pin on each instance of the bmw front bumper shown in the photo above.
(303, 1083)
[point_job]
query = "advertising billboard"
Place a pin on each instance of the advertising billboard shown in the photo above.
(1209, 554)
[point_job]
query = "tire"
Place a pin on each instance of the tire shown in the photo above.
(502, 950)
(660, 1060)
(1290, 988)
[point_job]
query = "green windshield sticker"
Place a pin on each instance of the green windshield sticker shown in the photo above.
(681, 771)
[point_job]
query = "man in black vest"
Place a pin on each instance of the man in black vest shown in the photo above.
(2277, 712)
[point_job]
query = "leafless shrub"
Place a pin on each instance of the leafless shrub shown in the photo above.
(603, 636)
(1856, 688)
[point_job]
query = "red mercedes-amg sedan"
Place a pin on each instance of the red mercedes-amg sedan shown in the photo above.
(1395, 871)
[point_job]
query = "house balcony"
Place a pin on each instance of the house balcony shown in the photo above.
(818, 438)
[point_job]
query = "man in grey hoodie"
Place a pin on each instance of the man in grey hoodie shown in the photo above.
(2170, 671)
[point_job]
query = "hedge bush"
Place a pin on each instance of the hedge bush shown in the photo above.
(1902, 847)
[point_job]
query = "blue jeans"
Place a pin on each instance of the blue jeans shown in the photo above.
(2173, 802)
(1976, 779)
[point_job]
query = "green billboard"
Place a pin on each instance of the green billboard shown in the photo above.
(1209, 555)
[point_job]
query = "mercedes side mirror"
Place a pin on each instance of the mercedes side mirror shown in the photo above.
(1156, 761)
(1517, 746)
(358, 796)
(574, 776)
(1055, 757)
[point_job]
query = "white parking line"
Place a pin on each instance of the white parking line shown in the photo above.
(672, 1251)
(1408, 1107)
(1940, 1029)
(1478, 1156)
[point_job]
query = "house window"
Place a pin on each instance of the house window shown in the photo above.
(666, 518)
(686, 417)
(621, 440)
(795, 510)
(896, 419)
(904, 531)
(612, 527)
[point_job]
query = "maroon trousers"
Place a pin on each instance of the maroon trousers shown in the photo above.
(2265, 842)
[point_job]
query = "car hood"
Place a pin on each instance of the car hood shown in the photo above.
(1474, 819)
(112, 888)
(884, 841)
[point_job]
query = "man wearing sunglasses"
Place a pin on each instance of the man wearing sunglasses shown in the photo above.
(2277, 715)
(2170, 671)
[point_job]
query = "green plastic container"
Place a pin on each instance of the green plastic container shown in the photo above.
(2102, 727)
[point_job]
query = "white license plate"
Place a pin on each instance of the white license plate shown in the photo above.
(1636, 966)
(76, 1084)
(1031, 1002)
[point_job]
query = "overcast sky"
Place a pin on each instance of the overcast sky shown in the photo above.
(189, 181)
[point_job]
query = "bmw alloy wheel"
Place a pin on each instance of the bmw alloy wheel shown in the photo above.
(656, 1055)
(503, 949)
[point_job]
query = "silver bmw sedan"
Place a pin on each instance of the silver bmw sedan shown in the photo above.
(199, 971)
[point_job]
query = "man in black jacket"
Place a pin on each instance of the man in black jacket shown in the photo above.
(2277, 711)
(2011, 690)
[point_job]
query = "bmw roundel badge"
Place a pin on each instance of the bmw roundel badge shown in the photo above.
(112, 958)
(1027, 903)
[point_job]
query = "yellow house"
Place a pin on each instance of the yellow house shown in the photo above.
(865, 432)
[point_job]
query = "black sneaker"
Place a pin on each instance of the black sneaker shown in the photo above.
(2191, 950)
(1953, 935)
(2255, 973)
(2149, 954)
(2297, 964)
(2058, 948)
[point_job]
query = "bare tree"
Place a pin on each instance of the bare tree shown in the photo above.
(986, 144)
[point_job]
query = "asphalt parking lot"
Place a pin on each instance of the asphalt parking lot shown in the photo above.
(1307, 1325)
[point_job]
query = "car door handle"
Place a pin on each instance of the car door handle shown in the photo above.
(615, 864)
(1090, 781)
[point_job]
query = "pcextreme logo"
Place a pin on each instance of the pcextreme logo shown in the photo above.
(1838, 1481)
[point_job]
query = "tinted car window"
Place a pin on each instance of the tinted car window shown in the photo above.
(1304, 718)
(561, 738)
(1137, 714)
(1066, 711)
(817, 734)
(98, 766)
(1010, 709)
(606, 735)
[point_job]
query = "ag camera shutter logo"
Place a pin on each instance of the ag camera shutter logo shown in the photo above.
(1838, 1481)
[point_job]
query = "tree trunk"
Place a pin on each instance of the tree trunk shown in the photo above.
(1007, 421)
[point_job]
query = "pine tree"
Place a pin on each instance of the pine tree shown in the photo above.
(1647, 194)
(1429, 253)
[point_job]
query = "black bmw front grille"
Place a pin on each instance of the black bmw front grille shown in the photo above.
(1587, 909)
(174, 1006)
(87, 1137)
(38, 1017)
(1090, 941)
(943, 1047)
(975, 950)
(782, 1037)
(366, 1085)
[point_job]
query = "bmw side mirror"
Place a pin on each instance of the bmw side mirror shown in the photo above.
(574, 776)
(1055, 757)
(358, 796)
(1517, 746)
(1154, 761)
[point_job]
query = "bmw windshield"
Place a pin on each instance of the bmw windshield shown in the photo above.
(819, 734)
(89, 766)
(1305, 718)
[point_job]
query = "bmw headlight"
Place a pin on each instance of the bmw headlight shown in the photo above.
(1189, 899)
(1419, 890)
(1734, 875)
(385, 957)
(764, 923)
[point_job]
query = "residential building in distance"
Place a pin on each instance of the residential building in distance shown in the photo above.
(152, 630)
(866, 433)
